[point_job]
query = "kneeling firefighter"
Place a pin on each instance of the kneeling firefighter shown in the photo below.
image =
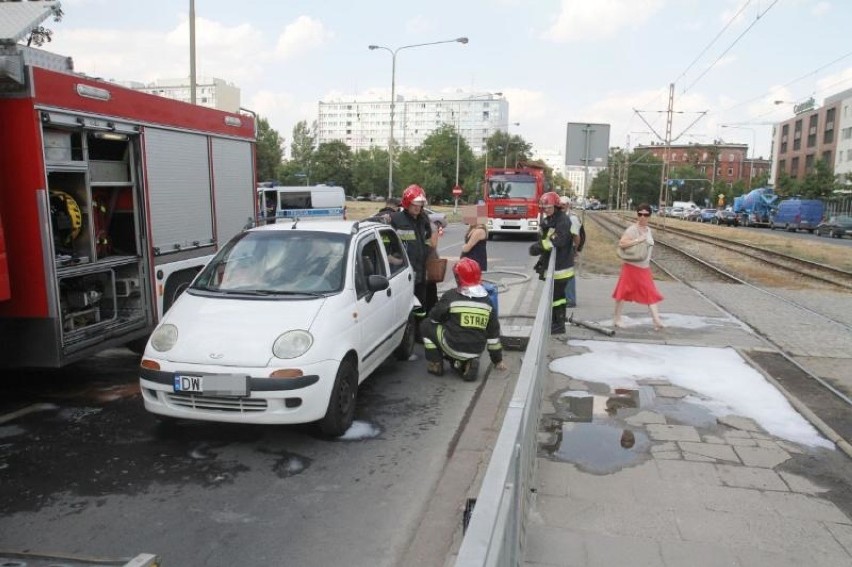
(461, 325)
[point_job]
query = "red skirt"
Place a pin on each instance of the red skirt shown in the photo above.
(636, 284)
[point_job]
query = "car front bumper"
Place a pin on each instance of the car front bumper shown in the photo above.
(268, 401)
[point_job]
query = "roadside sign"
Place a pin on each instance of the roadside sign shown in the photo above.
(457, 190)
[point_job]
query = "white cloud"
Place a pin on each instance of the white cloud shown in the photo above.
(821, 8)
(419, 25)
(301, 36)
(580, 20)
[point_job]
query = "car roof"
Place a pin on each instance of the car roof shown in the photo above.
(337, 226)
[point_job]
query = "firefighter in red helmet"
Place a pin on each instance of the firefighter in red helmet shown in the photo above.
(555, 238)
(415, 231)
(462, 325)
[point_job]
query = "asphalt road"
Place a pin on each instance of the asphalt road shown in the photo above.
(89, 472)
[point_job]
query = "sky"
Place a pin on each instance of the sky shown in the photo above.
(555, 61)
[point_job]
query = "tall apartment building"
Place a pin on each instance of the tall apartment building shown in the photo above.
(364, 124)
(814, 133)
(724, 162)
(209, 91)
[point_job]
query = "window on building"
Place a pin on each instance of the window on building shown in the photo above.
(797, 144)
(848, 155)
(809, 163)
(704, 156)
(846, 134)
(783, 147)
(828, 137)
(812, 140)
(785, 130)
(794, 167)
(731, 157)
(782, 165)
(826, 158)
(730, 171)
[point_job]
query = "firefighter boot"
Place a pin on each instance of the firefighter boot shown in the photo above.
(557, 323)
(470, 370)
(435, 367)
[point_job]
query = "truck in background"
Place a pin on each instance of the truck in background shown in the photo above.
(756, 207)
(798, 214)
(111, 201)
(511, 198)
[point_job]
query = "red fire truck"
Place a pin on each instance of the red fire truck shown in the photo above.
(111, 200)
(511, 198)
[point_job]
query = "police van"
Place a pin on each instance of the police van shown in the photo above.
(278, 202)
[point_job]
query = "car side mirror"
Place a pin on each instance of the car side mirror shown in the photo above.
(377, 283)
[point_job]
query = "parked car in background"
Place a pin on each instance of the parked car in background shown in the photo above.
(693, 215)
(835, 227)
(436, 217)
(727, 218)
(678, 213)
(707, 215)
(265, 334)
(798, 214)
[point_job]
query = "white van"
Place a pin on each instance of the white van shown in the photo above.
(301, 201)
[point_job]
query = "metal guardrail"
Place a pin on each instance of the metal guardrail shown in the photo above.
(497, 527)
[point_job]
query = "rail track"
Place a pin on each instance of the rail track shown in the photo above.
(809, 328)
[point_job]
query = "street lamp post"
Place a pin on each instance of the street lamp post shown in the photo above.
(753, 143)
(508, 141)
(393, 52)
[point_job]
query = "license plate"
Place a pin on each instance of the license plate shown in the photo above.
(213, 384)
(511, 223)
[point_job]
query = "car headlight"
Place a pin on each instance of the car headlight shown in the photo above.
(164, 338)
(292, 344)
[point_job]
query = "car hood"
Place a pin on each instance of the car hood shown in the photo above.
(234, 332)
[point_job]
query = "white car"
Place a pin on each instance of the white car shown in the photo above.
(283, 325)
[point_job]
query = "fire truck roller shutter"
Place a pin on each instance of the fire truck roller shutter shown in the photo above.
(178, 176)
(233, 187)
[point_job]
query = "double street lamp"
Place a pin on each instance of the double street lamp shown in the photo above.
(393, 53)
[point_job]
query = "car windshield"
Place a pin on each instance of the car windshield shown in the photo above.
(279, 262)
(512, 187)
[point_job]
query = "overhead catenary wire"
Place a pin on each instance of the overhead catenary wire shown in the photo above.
(721, 55)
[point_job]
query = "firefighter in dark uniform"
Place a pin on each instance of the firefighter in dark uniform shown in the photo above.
(415, 231)
(462, 325)
(555, 238)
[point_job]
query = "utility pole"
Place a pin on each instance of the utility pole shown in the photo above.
(626, 169)
(667, 141)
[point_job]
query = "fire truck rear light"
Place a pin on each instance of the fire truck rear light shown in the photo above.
(93, 92)
(149, 364)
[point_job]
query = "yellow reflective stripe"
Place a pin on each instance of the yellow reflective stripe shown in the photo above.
(547, 245)
(480, 309)
(558, 302)
(564, 274)
(451, 351)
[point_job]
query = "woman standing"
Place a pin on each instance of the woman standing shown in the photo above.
(636, 283)
(475, 243)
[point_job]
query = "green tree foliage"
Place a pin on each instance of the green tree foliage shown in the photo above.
(332, 164)
(302, 146)
(369, 172)
(269, 151)
(819, 183)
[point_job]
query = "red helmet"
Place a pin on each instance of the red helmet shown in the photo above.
(549, 198)
(413, 194)
(467, 272)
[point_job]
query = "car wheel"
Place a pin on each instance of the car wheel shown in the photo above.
(341, 404)
(406, 345)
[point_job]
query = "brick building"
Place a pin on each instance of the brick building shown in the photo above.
(719, 161)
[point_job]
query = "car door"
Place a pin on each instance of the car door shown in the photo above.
(375, 309)
(401, 277)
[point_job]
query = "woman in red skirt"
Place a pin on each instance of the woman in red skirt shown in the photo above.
(636, 283)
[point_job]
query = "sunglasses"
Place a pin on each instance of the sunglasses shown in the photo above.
(644, 214)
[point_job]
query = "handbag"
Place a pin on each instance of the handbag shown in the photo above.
(436, 267)
(633, 253)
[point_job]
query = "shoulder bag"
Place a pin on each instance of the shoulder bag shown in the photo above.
(633, 253)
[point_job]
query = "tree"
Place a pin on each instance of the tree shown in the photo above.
(269, 151)
(370, 171)
(332, 164)
(302, 146)
(504, 148)
(819, 182)
(786, 185)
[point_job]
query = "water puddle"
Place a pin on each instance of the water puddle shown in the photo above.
(595, 431)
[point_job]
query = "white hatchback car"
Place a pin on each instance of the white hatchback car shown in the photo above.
(283, 325)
